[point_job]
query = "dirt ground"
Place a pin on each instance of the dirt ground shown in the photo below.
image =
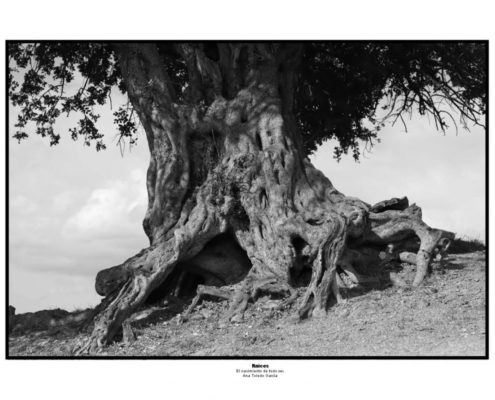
(444, 317)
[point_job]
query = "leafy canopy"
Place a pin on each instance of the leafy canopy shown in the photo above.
(341, 87)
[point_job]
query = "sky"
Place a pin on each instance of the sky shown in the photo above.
(74, 211)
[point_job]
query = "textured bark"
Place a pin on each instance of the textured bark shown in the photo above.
(238, 172)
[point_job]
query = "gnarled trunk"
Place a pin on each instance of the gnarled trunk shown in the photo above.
(237, 170)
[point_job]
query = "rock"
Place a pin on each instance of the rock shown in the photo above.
(378, 296)
(397, 280)
(345, 313)
(237, 318)
(142, 315)
(423, 303)
(11, 311)
(270, 305)
(206, 313)
(197, 317)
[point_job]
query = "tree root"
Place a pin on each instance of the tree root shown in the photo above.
(201, 292)
(438, 256)
(323, 280)
(271, 276)
(120, 306)
(392, 225)
(128, 334)
(241, 296)
(238, 305)
(355, 277)
(94, 345)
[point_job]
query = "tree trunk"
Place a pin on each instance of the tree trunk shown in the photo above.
(233, 198)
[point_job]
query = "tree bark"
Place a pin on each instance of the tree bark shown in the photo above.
(237, 170)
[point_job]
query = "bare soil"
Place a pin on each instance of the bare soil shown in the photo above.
(446, 316)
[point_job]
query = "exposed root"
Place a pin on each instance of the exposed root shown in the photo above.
(128, 334)
(99, 308)
(355, 277)
(323, 280)
(201, 292)
(94, 344)
(290, 300)
(240, 298)
(238, 305)
(391, 225)
(120, 306)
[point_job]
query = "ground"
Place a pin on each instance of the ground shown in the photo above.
(446, 316)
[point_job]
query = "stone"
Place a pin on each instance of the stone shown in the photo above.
(11, 311)
(237, 318)
(345, 313)
(270, 305)
(197, 317)
(423, 303)
(141, 315)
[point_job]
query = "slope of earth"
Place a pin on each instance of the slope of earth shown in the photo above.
(444, 317)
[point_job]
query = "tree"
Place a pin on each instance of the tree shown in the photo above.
(233, 198)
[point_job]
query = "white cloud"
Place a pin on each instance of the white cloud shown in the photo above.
(111, 209)
(58, 240)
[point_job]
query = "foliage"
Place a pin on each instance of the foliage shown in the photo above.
(344, 83)
(340, 87)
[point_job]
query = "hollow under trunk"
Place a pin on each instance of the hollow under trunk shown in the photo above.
(233, 200)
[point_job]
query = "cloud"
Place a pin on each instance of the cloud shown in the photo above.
(110, 210)
(53, 194)
(58, 245)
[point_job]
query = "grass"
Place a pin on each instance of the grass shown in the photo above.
(79, 309)
(465, 244)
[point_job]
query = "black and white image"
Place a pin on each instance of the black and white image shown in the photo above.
(227, 199)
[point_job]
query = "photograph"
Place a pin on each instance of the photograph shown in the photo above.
(241, 199)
